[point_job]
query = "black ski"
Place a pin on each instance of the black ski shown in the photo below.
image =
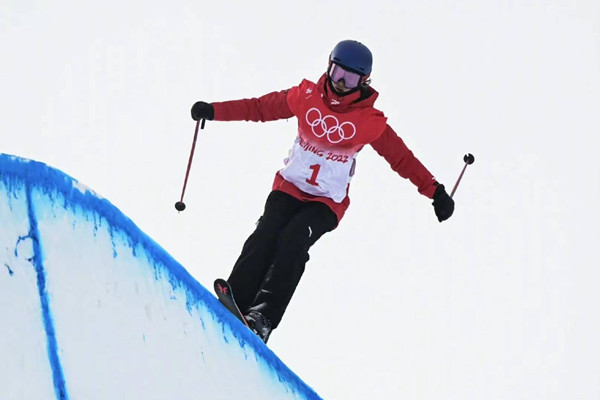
(225, 295)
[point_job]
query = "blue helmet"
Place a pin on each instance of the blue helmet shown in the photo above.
(353, 55)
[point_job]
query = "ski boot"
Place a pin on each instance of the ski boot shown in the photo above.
(259, 324)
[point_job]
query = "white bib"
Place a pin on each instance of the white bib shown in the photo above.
(319, 171)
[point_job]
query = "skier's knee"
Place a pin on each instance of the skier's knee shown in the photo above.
(294, 243)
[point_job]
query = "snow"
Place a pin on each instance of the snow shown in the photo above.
(94, 309)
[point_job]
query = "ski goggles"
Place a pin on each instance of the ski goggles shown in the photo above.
(337, 73)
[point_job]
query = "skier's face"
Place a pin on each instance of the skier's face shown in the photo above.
(340, 86)
(343, 80)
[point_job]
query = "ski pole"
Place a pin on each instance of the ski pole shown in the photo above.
(468, 159)
(180, 205)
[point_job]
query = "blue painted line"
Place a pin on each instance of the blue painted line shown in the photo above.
(10, 271)
(58, 377)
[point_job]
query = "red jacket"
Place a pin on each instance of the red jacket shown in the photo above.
(331, 131)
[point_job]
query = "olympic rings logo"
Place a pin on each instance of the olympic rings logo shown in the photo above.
(330, 126)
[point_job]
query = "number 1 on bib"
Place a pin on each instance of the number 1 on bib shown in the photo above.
(313, 179)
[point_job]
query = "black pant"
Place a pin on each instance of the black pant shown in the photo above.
(272, 261)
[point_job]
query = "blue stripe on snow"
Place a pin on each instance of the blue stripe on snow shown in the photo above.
(52, 346)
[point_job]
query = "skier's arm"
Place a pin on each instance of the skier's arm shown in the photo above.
(270, 107)
(402, 160)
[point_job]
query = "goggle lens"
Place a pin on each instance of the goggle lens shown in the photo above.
(351, 79)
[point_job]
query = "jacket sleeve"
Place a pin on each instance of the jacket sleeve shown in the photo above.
(270, 107)
(402, 160)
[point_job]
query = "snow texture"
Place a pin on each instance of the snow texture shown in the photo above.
(92, 308)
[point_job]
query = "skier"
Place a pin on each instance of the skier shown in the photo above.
(336, 119)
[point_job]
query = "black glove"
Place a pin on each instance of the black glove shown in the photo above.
(203, 110)
(442, 204)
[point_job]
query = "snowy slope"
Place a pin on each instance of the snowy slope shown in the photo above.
(91, 308)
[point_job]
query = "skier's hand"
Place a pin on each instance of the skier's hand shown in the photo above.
(443, 204)
(203, 110)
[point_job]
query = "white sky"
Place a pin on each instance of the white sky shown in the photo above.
(499, 302)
